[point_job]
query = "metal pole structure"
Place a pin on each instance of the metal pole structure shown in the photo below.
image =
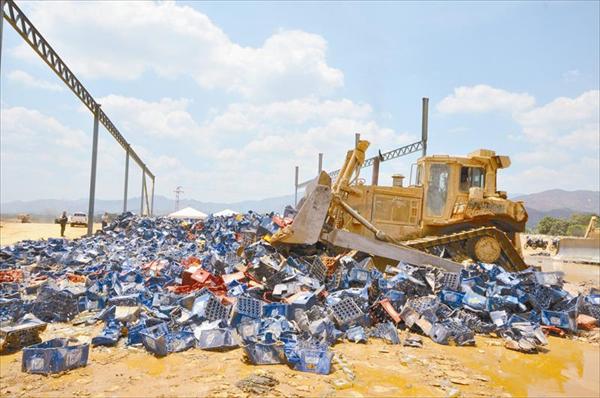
(1, 29)
(375, 177)
(90, 225)
(320, 163)
(356, 139)
(126, 180)
(142, 195)
(146, 197)
(152, 201)
(296, 187)
(424, 124)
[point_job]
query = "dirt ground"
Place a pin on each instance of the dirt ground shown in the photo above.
(569, 368)
(11, 232)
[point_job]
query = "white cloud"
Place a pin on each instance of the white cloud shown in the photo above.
(173, 40)
(165, 118)
(39, 156)
(484, 98)
(576, 173)
(559, 141)
(572, 121)
(245, 148)
(24, 128)
(27, 80)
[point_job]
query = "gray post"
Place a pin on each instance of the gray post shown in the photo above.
(1, 28)
(375, 177)
(152, 201)
(356, 139)
(296, 187)
(424, 124)
(90, 225)
(126, 180)
(320, 163)
(142, 195)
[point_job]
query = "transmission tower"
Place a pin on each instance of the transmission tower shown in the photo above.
(178, 191)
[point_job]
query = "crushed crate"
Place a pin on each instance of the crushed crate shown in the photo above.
(245, 308)
(318, 270)
(54, 356)
(450, 280)
(13, 337)
(347, 313)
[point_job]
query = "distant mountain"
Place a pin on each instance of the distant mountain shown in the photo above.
(556, 199)
(555, 202)
(559, 203)
(162, 205)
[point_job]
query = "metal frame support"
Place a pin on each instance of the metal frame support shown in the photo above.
(425, 124)
(375, 177)
(147, 198)
(92, 198)
(1, 29)
(152, 200)
(320, 163)
(126, 180)
(296, 186)
(142, 195)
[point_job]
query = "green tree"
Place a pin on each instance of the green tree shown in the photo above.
(574, 226)
(580, 218)
(576, 230)
(546, 225)
(560, 227)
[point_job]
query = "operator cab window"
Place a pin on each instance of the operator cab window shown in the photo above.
(419, 175)
(471, 177)
(437, 189)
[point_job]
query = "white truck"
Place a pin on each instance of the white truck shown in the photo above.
(77, 219)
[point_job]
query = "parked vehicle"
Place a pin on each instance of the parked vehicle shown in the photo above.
(78, 219)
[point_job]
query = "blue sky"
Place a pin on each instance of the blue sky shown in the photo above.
(226, 98)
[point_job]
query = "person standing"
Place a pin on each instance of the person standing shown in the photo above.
(104, 220)
(63, 223)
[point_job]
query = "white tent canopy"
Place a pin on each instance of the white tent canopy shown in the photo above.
(225, 213)
(188, 212)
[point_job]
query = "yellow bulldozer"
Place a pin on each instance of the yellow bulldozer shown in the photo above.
(584, 249)
(451, 213)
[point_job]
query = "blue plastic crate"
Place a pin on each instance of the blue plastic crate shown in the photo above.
(244, 309)
(358, 276)
(474, 301)
(275, 309)
(54, 356)
(356, 334)
(347, 313)
(259, 353)
(133, 334)
(154, 339)
(216, 339)
(560, 319)
(314, 360)
(109, 336)
(451, 299)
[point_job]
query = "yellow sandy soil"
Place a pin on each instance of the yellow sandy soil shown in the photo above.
(12, 232)
(569, 368)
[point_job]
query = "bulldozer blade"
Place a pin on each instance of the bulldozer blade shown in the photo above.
(581, 250)
(349, 240)
(308, 223)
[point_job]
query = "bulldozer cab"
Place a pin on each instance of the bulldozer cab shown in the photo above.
(449, 182)
(449, 193)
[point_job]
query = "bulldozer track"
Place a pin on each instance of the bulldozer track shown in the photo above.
(509, 259)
